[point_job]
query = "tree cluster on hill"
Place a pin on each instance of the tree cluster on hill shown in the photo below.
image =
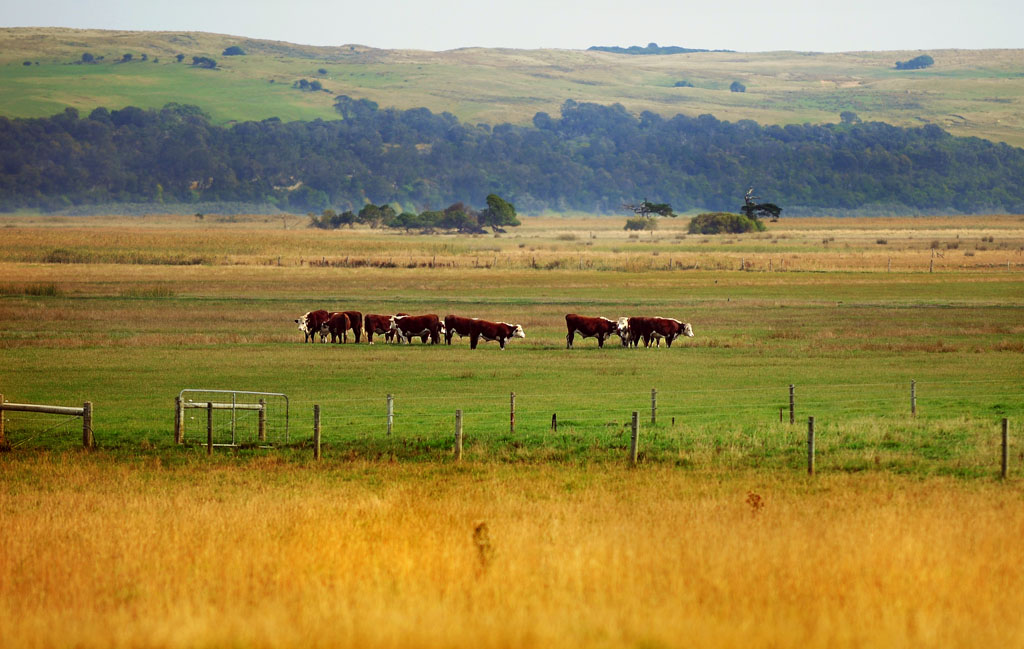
(591, 158)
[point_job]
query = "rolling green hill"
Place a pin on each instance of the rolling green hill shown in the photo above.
(968, 93)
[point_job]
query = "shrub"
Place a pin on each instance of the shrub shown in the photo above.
(234, 50)
(721, 222)
(736, 86)
(641, 223)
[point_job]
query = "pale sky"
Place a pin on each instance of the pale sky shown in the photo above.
(743, 25)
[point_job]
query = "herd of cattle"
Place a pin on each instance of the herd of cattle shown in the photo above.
(403, 327)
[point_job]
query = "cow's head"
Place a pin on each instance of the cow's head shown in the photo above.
(443, 329)
(303, 323)
(517, 330)
(687, 330)
(622, 329)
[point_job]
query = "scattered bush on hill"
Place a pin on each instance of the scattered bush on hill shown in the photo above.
(234, 50)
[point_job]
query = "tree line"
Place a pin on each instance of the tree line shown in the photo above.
(591, 157)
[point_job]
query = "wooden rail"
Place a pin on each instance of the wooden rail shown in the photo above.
(85, 412)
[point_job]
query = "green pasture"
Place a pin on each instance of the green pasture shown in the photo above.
(851, 343)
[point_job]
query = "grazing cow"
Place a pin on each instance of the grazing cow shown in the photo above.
(337, 326)
(355, 322)
(311, 324)
(587, 327)
(454, 324)
(375, 323)
(647, 329)
(407, 326)
(500, 331)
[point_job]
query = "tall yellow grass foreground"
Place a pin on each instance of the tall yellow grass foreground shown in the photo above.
(95, 552)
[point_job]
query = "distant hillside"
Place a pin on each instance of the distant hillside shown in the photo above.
(968, 93)
(652, 48)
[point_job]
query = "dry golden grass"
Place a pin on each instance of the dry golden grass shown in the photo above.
(547, 243)
(103, 553)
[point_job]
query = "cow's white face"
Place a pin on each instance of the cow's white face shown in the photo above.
(443, 330)
(518, 330)
(622, 329)
(303, 323)
(687, 330)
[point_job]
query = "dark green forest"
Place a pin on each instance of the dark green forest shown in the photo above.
(591, 157)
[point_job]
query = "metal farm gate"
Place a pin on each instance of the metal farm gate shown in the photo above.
(231, 417)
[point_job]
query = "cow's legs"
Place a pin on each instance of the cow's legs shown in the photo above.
(600, 340)
(569, 337)
(473, 340)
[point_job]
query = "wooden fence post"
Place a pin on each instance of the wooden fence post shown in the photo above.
(554, 422)
(3, 433)
(88, 441)
(634, 439)
(458, 435)
(792, 404)
(179, 420)
(1006, 448)
(261, 421)
(512, 414)
(316, 432)
(810, 446)
(913, 398)
(654, 406)
(391, 413)
(209, 428)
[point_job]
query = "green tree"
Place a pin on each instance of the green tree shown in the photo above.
(88, 58)
(234, 50)
(499, 213)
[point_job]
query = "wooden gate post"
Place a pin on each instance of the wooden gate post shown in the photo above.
(913, 398)
(654, 406)
(391, 413)
(458, 435)
(792, 404)
(512, 414)
(635, 439)
(179, 420)
(810, 446)
(316, 432)
(209, 428)
(262, 421)
(88, 441)
(554, 422)
(1006, 449)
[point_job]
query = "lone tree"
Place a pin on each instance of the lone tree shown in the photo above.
(754, 210)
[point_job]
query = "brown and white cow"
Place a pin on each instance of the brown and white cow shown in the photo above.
(337, 326)
(587, 327)
(648, 329)
(311, 324)
(500, 331)
(454, 324)
(375, 323)
(409, 326)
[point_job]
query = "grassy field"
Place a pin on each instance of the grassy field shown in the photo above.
(969, 93)
(129, 313)
(905, 537)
